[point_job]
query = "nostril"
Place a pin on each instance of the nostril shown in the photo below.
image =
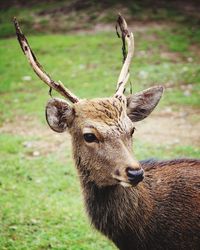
(117, 172)
(135, 176)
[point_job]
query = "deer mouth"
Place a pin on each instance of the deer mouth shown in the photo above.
(129, 183)
(131, 178)
(125, 184)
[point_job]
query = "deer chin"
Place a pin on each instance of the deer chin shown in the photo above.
(125, 184)
(121, 181)
(128, 184)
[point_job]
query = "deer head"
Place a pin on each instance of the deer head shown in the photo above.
(101, 129)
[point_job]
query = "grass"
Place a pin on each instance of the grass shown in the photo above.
(42, 206)
(62, 16)
(94, 62)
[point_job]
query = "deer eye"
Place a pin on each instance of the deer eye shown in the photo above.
(89, 137)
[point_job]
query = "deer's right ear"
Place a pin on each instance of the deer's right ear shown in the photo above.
(59, 114)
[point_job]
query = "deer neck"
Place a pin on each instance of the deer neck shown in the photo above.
(117, 207)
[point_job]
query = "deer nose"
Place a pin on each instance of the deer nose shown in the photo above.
(135, 176)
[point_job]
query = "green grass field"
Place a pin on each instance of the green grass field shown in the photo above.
(41, 205)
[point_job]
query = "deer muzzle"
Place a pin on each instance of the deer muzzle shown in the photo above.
(129, 176)
(135, 176)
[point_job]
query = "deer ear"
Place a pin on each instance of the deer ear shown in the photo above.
(59, 114)
(141, 104)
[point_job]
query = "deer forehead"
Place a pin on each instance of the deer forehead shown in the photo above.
(106, 114)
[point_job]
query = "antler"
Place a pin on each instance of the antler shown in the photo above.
(58, 86)
(129, 38)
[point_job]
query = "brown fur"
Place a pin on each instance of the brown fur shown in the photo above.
(162, 211)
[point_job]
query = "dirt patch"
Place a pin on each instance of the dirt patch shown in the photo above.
(166, 128)
(169, 128)
(41, 140)
(136, 26)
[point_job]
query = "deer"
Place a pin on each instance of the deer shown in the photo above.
(144, 205)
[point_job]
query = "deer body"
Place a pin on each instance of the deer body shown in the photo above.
(160, 212)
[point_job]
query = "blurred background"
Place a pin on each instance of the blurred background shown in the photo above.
(75, 41)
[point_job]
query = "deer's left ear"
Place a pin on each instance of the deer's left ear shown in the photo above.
(141, 104)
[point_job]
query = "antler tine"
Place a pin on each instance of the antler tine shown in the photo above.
(129, 38)
(59, 87)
